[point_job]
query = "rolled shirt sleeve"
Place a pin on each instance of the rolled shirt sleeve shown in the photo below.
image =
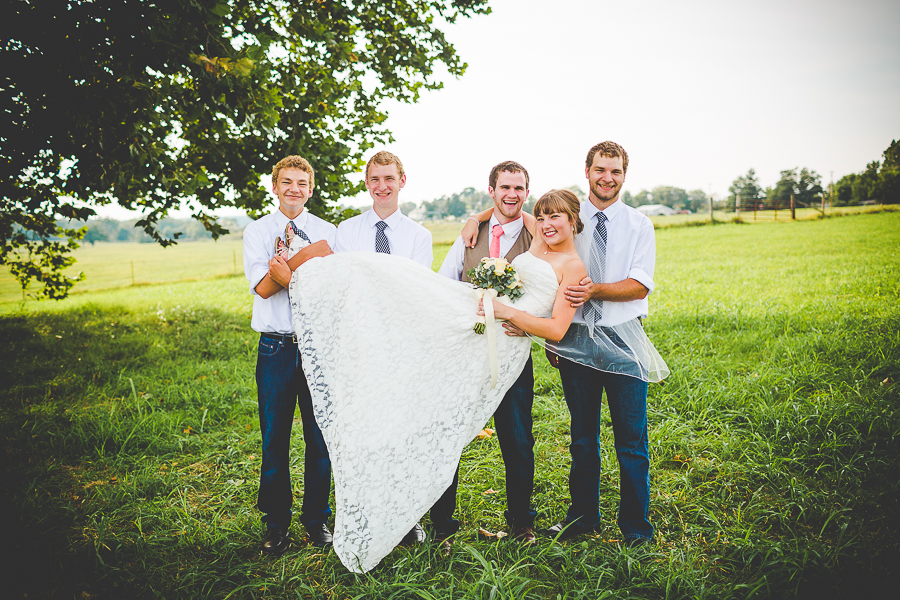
(256, 256)
(644, 262)
(453, 263)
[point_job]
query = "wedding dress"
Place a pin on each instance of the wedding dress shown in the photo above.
(400, 383)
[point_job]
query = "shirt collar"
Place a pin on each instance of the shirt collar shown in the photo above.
(281, 219)
(510, 229)
(610, 211)
(392, 221)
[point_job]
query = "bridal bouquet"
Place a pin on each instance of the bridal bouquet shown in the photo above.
(499, 278)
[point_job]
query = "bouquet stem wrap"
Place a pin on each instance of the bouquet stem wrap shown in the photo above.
(487, 297)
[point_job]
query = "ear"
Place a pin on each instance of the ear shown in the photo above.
(490, 191)
(587, 172)
(402, 181)
(527, 191)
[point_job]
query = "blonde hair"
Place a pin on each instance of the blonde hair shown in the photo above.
(560, 201)
(383, 159)
(293, 162)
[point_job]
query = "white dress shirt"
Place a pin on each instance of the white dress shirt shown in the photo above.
(273, 314)
(453, 263)
(407, 238)
(630, 253)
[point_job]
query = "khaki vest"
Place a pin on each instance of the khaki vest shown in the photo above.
(473, 256)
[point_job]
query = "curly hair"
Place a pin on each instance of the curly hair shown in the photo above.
(383, 159)
(508, 166)
(609, 150)
(560, 201)
(293, 162)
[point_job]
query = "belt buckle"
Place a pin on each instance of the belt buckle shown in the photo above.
(294, 338)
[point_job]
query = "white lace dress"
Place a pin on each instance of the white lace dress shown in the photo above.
(400, 383)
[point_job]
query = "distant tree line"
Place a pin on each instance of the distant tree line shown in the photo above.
(879, 182)
(673, 197)
(184, 230)
(469, 201)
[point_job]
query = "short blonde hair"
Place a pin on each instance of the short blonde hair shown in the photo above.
(294, 162)
(560, 201)
(383, 159)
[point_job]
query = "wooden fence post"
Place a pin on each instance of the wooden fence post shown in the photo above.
(737, 205)
(132, 272)
(793, 213)
(711, 218)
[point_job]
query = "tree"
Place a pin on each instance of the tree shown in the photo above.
(889, 176)
(865, 185)
(672, 197)
(809, 187)
(748, 187)
(152, 102)
(456, 207)
(843, 190)
(642, 198)
(697, 200)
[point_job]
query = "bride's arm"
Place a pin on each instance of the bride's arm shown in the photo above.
(554, 328)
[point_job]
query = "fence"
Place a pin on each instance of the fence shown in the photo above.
(109, 265)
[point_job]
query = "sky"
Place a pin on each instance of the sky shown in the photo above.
(697, 92)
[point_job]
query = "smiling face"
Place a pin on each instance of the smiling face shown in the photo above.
(384, 184)
(555, 227)
(605, 176)
(293, 188)
(509, 196)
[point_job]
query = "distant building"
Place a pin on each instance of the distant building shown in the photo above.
(656, 210)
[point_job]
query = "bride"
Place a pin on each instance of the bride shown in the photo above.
(400, 381)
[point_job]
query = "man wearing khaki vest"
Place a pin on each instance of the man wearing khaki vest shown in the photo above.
(504, 235)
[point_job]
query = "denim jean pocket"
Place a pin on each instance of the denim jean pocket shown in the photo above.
(269, 347)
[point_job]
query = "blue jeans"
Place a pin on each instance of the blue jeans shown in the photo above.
(513, 423)
(281, 387)
(627, 399)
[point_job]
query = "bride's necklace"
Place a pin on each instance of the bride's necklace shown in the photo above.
(554, 252)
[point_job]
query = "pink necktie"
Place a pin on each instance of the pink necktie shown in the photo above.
(497, 231)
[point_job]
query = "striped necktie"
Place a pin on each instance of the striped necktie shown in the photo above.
(593, 310)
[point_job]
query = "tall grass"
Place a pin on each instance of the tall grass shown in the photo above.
(131, 442)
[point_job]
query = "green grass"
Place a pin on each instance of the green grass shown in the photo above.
(131, 442)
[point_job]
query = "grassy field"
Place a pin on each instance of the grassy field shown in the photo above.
(131, 442)
(112, 265)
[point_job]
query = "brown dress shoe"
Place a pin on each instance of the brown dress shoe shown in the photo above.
(525, 535)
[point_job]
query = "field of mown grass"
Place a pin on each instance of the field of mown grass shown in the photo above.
(131, 442)
(113, 265)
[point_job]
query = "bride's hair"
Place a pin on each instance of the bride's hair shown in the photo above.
(560, 201)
